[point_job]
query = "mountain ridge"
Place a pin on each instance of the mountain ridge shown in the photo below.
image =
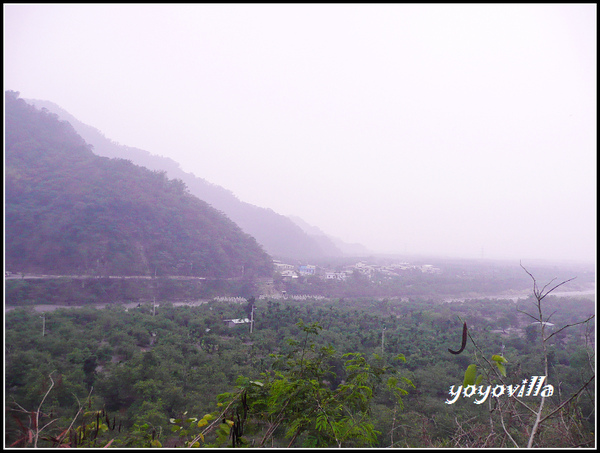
(281, 236)
(351, 249)
(70, 211)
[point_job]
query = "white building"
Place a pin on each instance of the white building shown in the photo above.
(430, 269)
(236, 322)
(280, 267)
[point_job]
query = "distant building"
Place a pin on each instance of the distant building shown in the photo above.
(289, 274)
(236, 322)
(546, 324)
(365, 269)
(430, 269)
(307, 269)
(280, 267)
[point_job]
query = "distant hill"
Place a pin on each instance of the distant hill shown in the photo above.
(279, 235)
(328, 242)
(70, 211)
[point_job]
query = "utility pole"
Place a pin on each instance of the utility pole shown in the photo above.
(382, 337)
(252, 319)
(43, 325)
(154, 290)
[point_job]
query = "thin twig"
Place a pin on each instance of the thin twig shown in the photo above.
(569, 325)
(567, 401)
(531, 316)
(37, 414)
(539, 296)
(560, 284)
(209, 427)
(504, 427)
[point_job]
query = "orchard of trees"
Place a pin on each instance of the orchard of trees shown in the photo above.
(353, 372)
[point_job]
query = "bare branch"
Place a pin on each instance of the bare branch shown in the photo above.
(537, 423)
(587, 347)
(567, 401)
(539, 294)
(78, 412)
(569, 325)
(48, 424)
(531, 316)
(545, 286)
(504, 428)
(532, 277)
(560, 284)
(37, 413)
(21, 408)
(551, 314)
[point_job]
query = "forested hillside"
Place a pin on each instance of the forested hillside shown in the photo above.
(319, 373)
(278, 234)
(69, 211)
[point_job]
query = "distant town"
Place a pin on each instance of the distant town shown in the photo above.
(290, 271)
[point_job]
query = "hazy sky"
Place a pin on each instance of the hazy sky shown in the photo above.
(435, 129)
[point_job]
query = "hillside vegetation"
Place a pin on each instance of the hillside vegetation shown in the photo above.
(279, 235)
(326, 373)
(69, 211)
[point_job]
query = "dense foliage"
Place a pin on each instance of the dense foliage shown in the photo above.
(366, 363)
(70, 211)
(75, 291)
(309, 374)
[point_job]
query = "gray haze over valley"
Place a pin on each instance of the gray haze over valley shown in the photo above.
(279, 235)
(452, 130)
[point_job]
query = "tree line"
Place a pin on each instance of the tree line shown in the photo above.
(329, 372)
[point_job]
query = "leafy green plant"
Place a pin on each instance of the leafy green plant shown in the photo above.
(299, 399)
